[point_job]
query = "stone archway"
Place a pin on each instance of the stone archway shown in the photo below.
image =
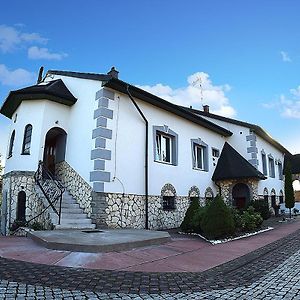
(168, 193)
(209, 195)
(240, 195)
(55, 148)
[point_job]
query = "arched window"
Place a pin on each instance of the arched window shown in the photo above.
(27, 139)
(11, 144)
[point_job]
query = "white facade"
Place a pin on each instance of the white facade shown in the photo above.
(105, 146)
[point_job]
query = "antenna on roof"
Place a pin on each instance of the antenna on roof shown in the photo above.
(198, 82)
(40, 77)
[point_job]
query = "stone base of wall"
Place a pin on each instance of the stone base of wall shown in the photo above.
(128, 211)
(13, 183)
(80, 190)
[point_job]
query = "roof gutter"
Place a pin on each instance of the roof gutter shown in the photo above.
(146, 156)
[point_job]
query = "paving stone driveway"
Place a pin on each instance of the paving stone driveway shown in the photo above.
(271, 272)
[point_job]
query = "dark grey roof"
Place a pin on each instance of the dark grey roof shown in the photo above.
(54, 91)
(294, 161)
(138, 93)
(255, 128)
(231, 165)
(91, 76)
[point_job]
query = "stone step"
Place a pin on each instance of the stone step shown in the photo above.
(75, 221)
(67, 205)
(75, 226)
(68, 210)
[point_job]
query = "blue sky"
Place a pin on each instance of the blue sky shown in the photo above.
(245, 54)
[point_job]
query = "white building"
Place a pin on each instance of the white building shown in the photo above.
(126, 158)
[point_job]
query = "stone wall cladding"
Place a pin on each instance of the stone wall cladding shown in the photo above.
(227, 185)
(80, 190)
(128, 211)
(15, 182)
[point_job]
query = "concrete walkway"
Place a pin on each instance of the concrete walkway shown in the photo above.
(181, 254)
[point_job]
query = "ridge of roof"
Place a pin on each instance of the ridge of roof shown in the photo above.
(232, 165)
(257, 129)
(82, 75)
(136, 92)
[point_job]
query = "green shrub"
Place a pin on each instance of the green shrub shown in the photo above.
(238, 219)
(251, 219)
(217, 221)
(262, 206)
(189, 222)
(197, 219)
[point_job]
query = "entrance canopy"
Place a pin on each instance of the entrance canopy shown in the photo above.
(231, 165)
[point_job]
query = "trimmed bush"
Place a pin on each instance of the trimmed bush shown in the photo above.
(262, 207)
(197, 219)
(252, 219)
(217, 222)
(189, 223)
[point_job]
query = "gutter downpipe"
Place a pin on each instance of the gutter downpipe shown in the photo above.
(146, 156)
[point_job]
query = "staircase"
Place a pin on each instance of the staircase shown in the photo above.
(64, 211)
(72, 216)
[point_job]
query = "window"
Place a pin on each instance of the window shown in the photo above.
(264, 163)
(215, 152)
(271, 166)
(11, 144)
(199, 155)
(163, 148)
(168, 202)
(165, 145)
(280, 170)
(27, 139)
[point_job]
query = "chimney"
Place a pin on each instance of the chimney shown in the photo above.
(206, 108)
(113, 73)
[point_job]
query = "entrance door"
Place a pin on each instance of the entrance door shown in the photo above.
(240, 195)
(55, 148)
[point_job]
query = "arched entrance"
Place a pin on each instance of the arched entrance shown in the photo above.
(55, 148)
(21, 207)
(240, 195)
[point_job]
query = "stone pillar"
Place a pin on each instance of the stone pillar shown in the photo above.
(99, 205)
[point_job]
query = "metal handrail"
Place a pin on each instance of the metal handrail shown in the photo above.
(54, 193)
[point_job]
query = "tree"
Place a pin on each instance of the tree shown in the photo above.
(288, 188)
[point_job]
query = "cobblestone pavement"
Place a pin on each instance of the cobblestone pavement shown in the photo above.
(271, 272)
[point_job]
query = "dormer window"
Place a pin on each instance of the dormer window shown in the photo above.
(27, 139)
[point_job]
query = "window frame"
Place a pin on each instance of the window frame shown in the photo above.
(216, 154)
(198, 143)
(26, 145)
(271, 164)
(264, 163)
(280, 170)
(166, 133)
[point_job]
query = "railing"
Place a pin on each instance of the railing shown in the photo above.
(51, 188)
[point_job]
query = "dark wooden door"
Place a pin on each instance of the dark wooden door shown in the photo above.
(240, 202)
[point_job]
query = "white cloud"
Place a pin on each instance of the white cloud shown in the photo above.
(285, 57)
(17, 77)
(288, 106)
(191, 94)
(11, 38)
(44, 53)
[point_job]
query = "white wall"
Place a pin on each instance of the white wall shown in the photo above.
(239, 142)
(29, 112)
(128, 149)
(269, 183)
(81, 123)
